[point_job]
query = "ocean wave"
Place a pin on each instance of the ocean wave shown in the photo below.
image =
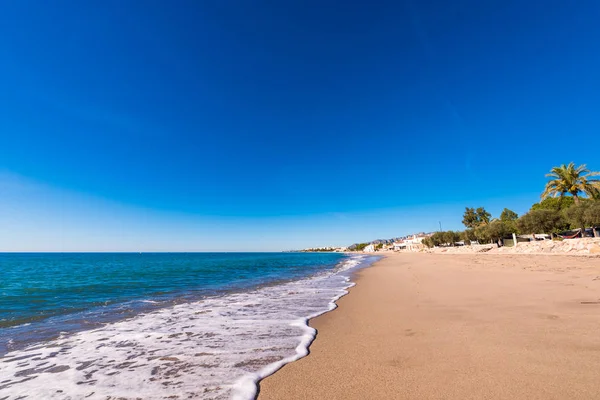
(216, 348)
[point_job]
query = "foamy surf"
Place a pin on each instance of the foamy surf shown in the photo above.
(217, 348)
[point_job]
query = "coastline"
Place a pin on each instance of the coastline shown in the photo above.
(215, 346)
(455, 327)
(248, 386)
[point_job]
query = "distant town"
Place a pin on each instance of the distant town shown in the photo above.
(412, 242)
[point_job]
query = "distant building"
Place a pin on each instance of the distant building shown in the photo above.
(397, 246)
(413, 243)
(369, 249)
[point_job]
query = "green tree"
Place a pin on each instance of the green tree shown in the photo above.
(428, 242)
(576, 216)
(541, 221)
(484, 216)
(450, 237)
(554, 203)
(468, 236)
(568, 179)
(592, 216)
(509, 220)
(498, 229)
(359, 246)
(472, 218)
(508, 215)
(433, 240)
(445, 238)
(438, 238)
(482, 233)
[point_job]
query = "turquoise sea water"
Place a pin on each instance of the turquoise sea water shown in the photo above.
(36, 287)
(124, 325)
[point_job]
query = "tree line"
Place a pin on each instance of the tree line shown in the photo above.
(571, 200)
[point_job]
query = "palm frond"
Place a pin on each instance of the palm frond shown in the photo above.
(568, 178)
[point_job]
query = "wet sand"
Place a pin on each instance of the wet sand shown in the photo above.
(481, 326)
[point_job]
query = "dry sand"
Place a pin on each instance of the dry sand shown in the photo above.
(481, 326)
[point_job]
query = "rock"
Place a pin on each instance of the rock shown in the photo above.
(594, 249)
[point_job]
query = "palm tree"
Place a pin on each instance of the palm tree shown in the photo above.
(571, 180)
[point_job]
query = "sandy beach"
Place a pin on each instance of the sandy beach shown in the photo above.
(481, 326)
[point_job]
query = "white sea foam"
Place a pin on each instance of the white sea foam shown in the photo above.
(217, 348)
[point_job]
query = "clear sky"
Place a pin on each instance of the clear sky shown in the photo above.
(271, 125)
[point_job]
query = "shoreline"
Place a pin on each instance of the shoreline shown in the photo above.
(248, 386)
(23, 333)
(216, 346)
(453, 327)
(312, 323)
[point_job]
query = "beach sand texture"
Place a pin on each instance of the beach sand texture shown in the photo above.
(481, 326)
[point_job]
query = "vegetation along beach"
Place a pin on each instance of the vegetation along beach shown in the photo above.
(494, 323)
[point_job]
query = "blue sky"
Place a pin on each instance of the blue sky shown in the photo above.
(235, 125)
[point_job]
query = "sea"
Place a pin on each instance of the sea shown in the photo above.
(159, 325)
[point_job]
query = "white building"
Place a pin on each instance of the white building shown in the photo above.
(399, 246)
(414, 243)
(369, 249)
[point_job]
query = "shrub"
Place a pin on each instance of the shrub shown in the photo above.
(592, 216)
(542, 221)
(575, 215)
